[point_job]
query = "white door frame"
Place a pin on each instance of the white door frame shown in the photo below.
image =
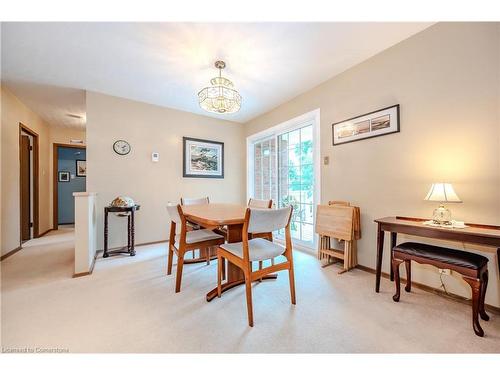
(292, 124)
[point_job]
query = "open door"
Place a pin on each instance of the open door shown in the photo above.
(28, 183)
(25, 159)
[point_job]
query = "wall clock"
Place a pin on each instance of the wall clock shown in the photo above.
(121, 147)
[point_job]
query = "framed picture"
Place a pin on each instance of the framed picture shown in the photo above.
(81, 168)
(373, 124)
(63, 176)
(202, 158)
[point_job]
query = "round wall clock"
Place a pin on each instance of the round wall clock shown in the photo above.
(121, 147)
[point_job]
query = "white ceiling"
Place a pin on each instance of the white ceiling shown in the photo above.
(49, 65)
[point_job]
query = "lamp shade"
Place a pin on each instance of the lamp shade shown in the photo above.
(442, 192)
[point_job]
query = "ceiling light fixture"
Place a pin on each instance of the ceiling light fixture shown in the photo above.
(221, 97)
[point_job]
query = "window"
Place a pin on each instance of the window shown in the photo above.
(282, 167)
(296, 180)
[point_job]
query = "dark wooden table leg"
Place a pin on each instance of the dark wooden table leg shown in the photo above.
(132, 234)
(380, 251)
(105, 254)
(394, 237)
(128, 232)
(498, 259)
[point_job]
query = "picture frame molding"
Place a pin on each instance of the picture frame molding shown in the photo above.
(398, 128)
(59, 173)
(186, 175)
(76, 166)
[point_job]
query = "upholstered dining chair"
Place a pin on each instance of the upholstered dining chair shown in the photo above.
(241, 254)
(261, 203)
(190, 225)
(191, 201)
(186, 240)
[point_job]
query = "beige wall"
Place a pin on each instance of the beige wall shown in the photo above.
(14, 112)
(150, 128)
(447, 81)
(62, 135)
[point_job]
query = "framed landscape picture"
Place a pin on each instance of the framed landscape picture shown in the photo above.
(81, 168)
(373, 124)
(203, 158)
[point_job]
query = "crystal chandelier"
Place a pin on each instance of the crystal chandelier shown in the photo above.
(221, 97)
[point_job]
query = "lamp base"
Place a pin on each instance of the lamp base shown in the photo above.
(441, 215)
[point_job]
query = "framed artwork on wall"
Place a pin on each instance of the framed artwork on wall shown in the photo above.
(63, 176)
(202, 158)
(381, 122)
(81, 168)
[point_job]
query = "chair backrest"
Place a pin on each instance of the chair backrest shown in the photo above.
(260, 203)
(338, 203)
(173, 211)
(265, 220)
(191, 201)
(335, 221)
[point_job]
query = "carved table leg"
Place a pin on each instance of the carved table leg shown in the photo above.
(132, 234)
(475, 285)
(128, 232)
(105, 255)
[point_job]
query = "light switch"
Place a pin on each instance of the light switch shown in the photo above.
(326, 160)
(155, 157)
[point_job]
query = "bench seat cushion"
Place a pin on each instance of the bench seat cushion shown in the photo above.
(443, 254)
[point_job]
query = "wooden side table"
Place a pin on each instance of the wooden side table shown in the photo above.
(130, 212)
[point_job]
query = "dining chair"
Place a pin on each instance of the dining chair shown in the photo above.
(261, 203)
(186, 240)
(191, 201)
(241, 254)
(191, 225)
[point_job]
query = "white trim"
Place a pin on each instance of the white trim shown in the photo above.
(292, 124)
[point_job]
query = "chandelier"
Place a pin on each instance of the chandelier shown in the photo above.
(221, 97)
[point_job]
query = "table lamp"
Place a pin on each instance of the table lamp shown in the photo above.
(442, 192)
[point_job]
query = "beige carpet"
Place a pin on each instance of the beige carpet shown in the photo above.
(129, 305)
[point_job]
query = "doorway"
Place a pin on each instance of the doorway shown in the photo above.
(28, 183)
(69, 166)
(283, 165)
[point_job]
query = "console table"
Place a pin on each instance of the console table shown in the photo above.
(130, 213)
(488, 235)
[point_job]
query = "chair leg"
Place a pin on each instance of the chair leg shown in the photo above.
(395, 270)
(291, 278)
(219, 275)
(408, 275)
(170, 259)
(223, 266)
(180, 265)
(484, 285)
(248, 287)
(475, 285)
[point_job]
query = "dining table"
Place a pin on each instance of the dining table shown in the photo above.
(228, 216)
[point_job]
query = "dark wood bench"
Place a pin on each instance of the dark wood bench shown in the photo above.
(473, 268)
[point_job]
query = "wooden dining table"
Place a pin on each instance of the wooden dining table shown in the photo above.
(217, 215)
